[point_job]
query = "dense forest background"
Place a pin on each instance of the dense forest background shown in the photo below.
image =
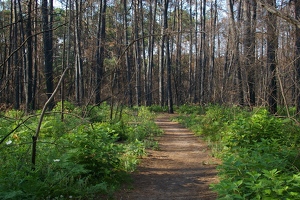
(103, 67)
(149, 52)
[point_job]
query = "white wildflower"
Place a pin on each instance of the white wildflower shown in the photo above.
(56, 160)
(8, 142)
(70, 197)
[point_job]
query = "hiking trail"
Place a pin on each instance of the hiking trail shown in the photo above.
(182, 168)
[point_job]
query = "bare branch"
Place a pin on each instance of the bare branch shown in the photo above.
(278, 13)
(35, 137)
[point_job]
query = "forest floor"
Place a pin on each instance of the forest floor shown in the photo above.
(182, 168)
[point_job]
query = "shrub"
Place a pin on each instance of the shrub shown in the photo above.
(191, 109)
(158, 108)
(259, 152)
(78, 157)
(259, 126)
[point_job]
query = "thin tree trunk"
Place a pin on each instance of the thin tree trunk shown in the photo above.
(168, 59)
(48, 48)
(249, 45)
(195, 68)
(23, 62)
(137, 55)
(152, 16)
(203, 55)
(37, 132)
(178, 73)
(297, 57)
(272, 46)
(161, 63)
(192, 43)
(226, 69)
(235, 51)
(16, 55)
(127, 59)
(78, 54)
(65, 55)
(210, 85)
(100, 49)
(29, 65)
(35, 74)
(144, 64)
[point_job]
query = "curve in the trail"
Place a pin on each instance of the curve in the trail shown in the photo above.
(182, 168)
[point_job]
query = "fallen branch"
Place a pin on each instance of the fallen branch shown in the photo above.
(37, 132)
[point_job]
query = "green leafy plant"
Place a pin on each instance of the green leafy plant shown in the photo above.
(158, 108)
(84, 155)
(259, 152)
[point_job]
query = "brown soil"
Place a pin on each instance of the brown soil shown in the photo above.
(182, 168)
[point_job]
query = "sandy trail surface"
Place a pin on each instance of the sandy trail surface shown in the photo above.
(182, 168)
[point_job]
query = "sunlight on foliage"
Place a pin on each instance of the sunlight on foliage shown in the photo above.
(84, 155)
(259, 152)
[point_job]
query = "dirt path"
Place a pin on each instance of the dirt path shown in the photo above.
(181, 169)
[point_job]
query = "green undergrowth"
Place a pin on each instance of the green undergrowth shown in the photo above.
(259, 152)
(89, 153)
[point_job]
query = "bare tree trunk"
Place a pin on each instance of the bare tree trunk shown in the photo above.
(29, 65)
(192, 43)
(264, 71)
(168, 59)
(272, 46)
(23, 62)
(203, 56)
(47, 11)
(137, 51)
(227, 69)
(272, 9)
(37, 132)
(144, 64)
(195, 72)
(127, 59)
(16, 55)
(235, 51)
(152, 17)
(210, 85)
(78, 54)
(178, 73)
(162, 63)
(100, 50)
(297, 57)
(36, 42)
(249, 45)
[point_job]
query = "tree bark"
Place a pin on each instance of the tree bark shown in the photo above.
(36, 46)
(128, 93)
(235, 40)
(29, 65)
(210, 85)
(249, 45)
(14, 39)
(161, 72)
(203, 58)
(100, 49)
(191, 86)
(168, 59)
(178, 68)
(297, 56)
(48, 48)
(137, 51)
(79, 89)
(272, 46)
(152, 17)
(272, 9)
